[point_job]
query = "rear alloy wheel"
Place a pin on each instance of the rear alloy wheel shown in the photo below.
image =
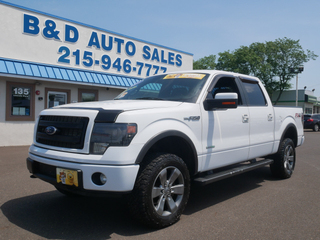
(161, 191)
(316, 128)
(284, 160)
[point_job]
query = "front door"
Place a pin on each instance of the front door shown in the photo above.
(225, 132)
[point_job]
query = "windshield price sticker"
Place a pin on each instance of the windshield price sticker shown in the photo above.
(185, 75)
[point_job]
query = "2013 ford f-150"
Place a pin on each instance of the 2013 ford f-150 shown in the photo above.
(156, 137)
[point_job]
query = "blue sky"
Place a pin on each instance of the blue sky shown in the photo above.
(201, 27)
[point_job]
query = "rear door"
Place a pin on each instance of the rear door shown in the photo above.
(261, 119)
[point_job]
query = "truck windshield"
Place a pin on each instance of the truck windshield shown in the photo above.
(182, 87)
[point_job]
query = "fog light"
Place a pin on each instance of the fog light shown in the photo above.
(99, 178)
(103, 178)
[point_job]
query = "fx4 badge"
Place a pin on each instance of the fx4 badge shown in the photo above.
(192, 118)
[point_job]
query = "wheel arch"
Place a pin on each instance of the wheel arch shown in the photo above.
(174, 142)
(290, 132)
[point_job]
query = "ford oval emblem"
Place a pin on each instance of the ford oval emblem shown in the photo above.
(50, 130)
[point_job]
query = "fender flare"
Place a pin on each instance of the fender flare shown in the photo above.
(290, 125)
(171, 133)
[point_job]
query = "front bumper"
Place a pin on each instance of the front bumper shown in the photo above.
(120, 179)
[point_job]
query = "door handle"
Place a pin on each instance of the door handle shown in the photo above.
(245, 118)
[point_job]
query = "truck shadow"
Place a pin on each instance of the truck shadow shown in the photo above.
(54, 216)
(217, 192)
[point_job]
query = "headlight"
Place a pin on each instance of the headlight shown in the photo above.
(111, 134)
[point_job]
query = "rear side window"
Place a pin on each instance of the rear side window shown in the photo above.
(254, 93)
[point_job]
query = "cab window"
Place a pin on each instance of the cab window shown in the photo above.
(254, 93)
(225, 85)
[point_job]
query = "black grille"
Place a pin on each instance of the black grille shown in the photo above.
(70, 132)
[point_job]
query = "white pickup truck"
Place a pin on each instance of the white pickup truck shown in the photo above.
(160, 135)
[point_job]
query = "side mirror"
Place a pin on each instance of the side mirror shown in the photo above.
(222, 100)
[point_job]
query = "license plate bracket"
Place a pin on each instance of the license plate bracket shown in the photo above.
(67, 177)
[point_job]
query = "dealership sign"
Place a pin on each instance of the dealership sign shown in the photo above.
(36, 37)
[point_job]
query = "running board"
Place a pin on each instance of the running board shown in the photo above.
(232, 172)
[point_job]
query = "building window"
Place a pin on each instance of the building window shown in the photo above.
(56, 97)
(87, 95)
(308, 110)
(20, 102)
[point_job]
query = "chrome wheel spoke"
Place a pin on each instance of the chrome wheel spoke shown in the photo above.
(287, 165)
(289, 158)
(176, 173)
(289, 152)
(163, 177)
(160, 206)
(172, 204)
(177, 189)
(156, 192)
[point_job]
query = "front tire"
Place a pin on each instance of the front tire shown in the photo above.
(161, 191)
(284, 160)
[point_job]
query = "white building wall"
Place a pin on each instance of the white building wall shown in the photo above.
(15, 133)
(35, 37)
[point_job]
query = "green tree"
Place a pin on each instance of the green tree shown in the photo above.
(205, 63)
(270, 61)
(286, 54)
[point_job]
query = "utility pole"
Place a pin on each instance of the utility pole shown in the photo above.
(297, 71)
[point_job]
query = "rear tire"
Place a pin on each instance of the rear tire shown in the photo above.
(161, 191)
(284, 160)
(316, 128)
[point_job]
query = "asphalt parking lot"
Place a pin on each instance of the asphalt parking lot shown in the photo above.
(253, 205)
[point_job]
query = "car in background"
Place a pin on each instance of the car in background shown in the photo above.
(312, 122)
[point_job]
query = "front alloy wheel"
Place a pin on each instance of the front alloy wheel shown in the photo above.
(161, 190)
(167, 191)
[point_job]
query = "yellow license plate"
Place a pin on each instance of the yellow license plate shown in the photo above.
(67, 177)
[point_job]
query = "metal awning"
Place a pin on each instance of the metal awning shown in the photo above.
(310, 99)
(57, 73)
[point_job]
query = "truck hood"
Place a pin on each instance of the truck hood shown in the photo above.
(126, 105)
